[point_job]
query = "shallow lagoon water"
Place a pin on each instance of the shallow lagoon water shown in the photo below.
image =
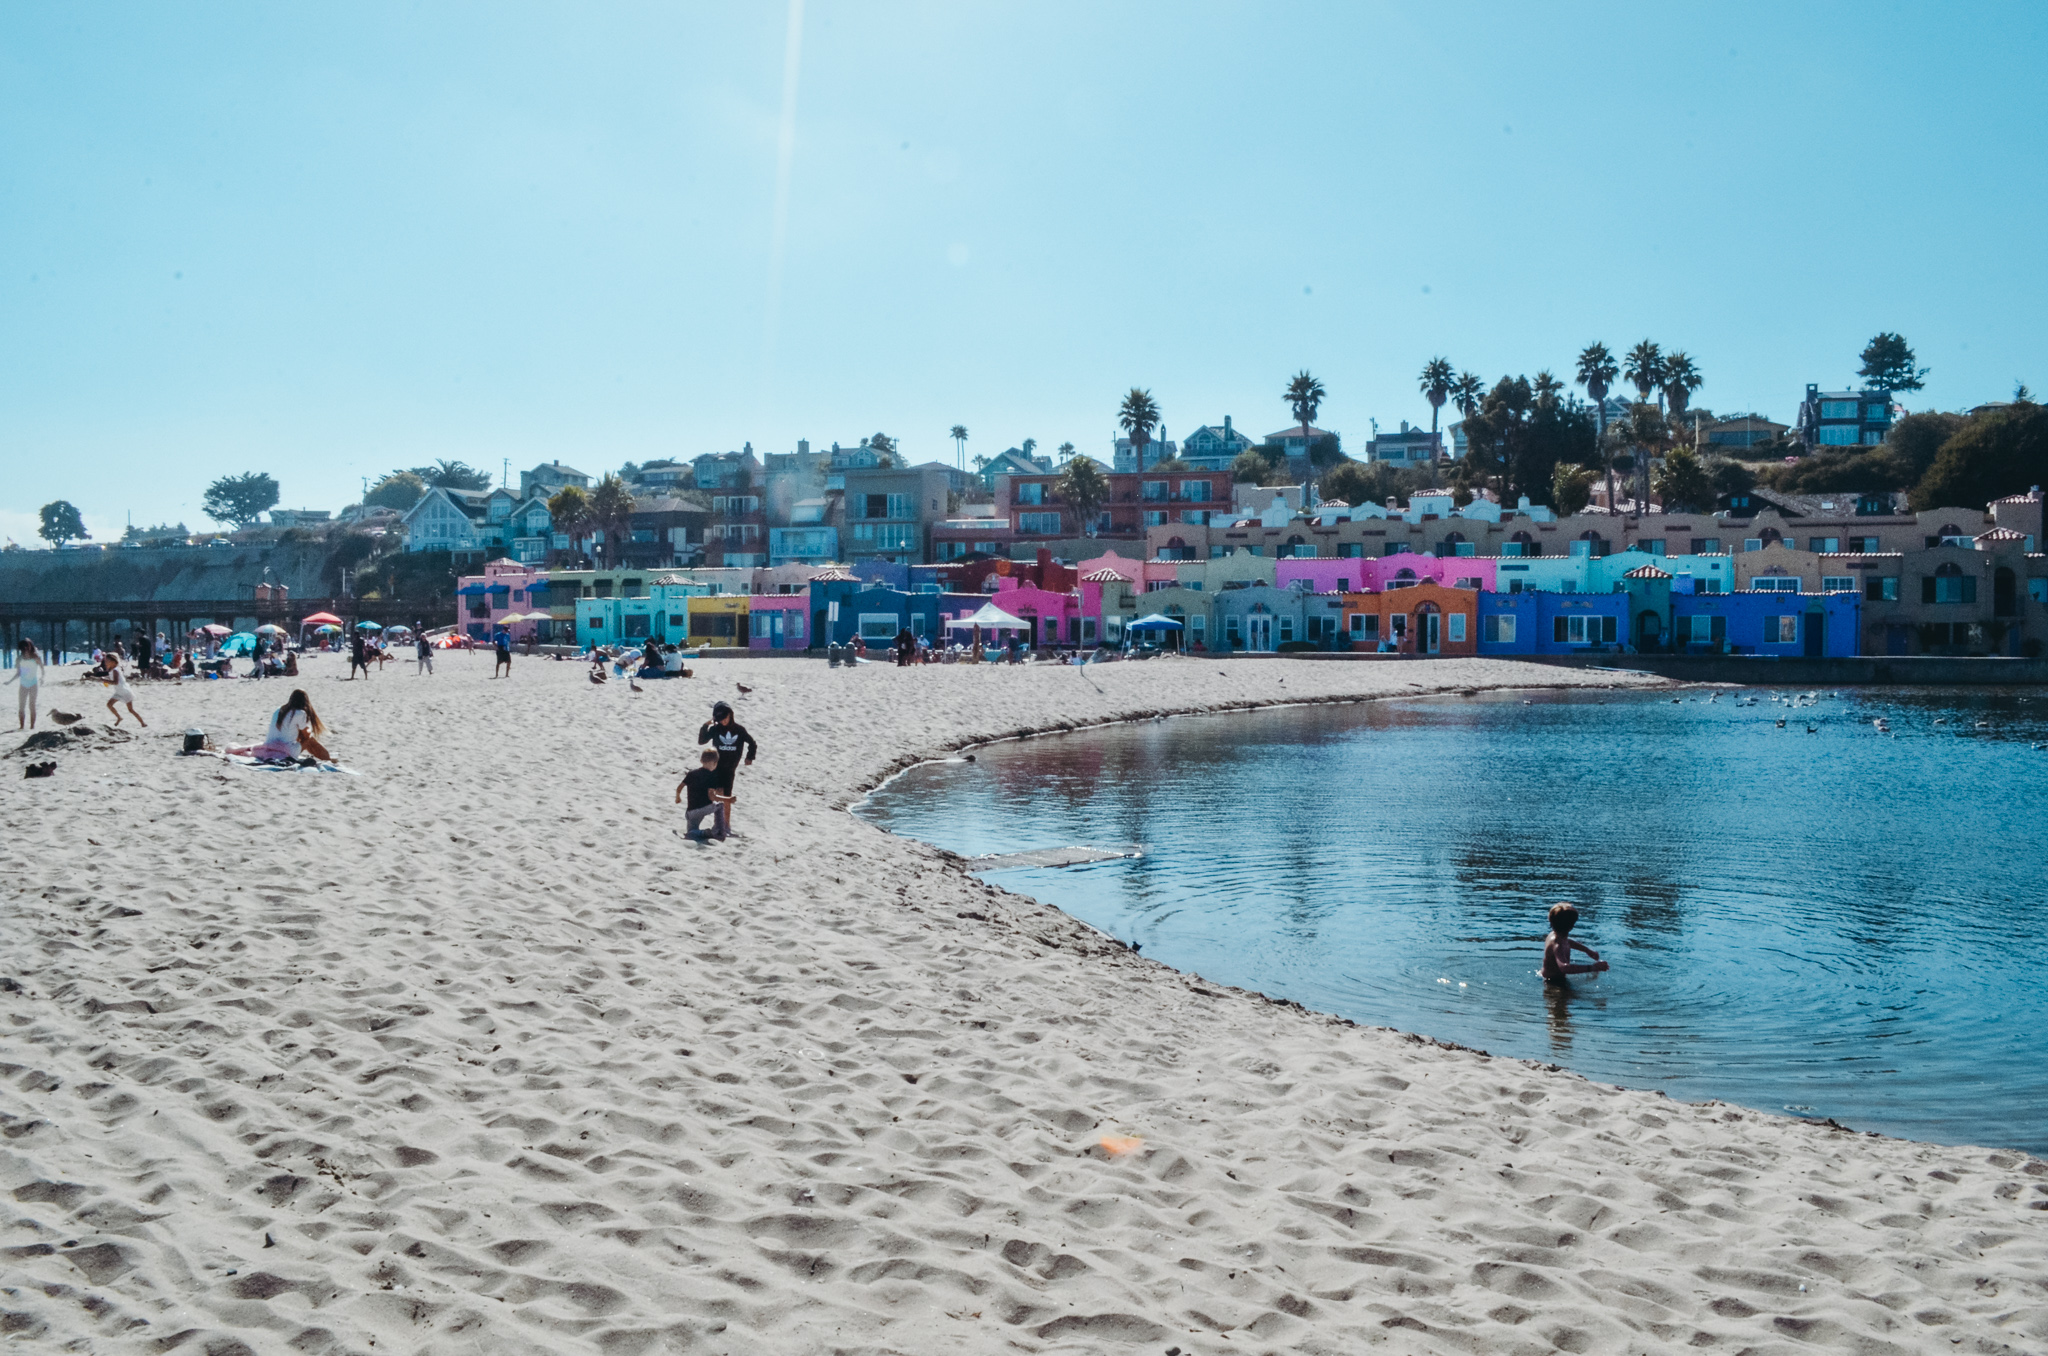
(1841, 924)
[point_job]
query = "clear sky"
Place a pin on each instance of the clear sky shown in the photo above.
(326, 240)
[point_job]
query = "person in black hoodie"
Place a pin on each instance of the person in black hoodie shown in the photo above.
(727, 737)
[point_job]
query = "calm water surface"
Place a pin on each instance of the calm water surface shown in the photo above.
(1841, 923)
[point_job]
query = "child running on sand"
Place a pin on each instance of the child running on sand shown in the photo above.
(1557, 947)
(123, 694)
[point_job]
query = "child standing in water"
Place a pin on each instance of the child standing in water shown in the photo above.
(1557, 947)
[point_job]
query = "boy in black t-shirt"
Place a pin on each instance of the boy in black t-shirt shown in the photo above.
(707, 798)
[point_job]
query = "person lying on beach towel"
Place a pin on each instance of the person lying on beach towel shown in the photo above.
(293, 734)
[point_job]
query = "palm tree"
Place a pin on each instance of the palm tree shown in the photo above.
(1545, 386)
(1644, 368)
(1438, 377)
(1084, 488)
(611, 513)
(568, 511)
(1681, 379)
(1597, 370)
(1066, 453)
(959, 437)
(1139, 415)
(1304, 396)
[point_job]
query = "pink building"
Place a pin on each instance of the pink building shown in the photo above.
(1144, 574)
(1057, 616)
(1374, 574)
(779, 621)
(505, 587)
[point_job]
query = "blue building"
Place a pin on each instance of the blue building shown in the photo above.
(1534, 622)
(1782, 624)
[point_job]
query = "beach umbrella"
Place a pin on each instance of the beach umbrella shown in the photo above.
(267, 629)
(325, 630)
(320, 619)
(215, 629)
(368, 626)
(990, 616)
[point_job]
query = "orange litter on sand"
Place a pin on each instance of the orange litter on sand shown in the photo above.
(1116, 1146)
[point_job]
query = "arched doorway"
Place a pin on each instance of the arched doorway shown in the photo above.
(1177, 548)
(2005, 600)
(1295, 545)
(1449, 545)
(1530, 546)
(1429, 626)
(1770, 536)
(1258, 629)
(1649, 631)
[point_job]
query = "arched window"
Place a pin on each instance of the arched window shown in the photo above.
(1529, 545)
(1403, 579)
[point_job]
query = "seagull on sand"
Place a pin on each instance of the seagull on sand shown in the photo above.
(65, 718)
(744, 689)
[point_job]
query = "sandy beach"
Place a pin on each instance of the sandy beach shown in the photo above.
(472, 1052)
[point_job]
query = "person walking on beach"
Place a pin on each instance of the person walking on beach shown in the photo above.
(502, 642)
(1557, 947)
(358, 657)
(113, 674)
(727, 738)
(28, 671)
(707, 800)
(424, 648)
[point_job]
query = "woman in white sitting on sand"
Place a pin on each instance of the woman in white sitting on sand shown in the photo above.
(292, 732)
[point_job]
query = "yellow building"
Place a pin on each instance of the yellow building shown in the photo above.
(720, 619)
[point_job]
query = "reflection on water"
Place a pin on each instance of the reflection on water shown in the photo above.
(1846, 922)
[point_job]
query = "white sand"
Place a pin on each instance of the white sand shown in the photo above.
(472, 1053)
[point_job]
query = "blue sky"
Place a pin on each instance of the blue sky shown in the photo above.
(323, 241)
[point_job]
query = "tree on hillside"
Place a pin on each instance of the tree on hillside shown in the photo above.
(569, 512)
(1684, 483)
(611, 515)
(1252, 466)
(958, 433)
(1495, 432)
(1996, 454)
(1438, 377)
(1324, 451)
(1359, 482)
(241, 499)
(61, 523)
(1571, 487)
(1642, 435)
(1084, 488)
(453, 475)
(1898, 463)
(1304, 397)
(1888, 364)
(400, 490)
(1139, 415)
(885, 445)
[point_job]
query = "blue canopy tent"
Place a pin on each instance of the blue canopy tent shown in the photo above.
(1155, 622)
(241, 642)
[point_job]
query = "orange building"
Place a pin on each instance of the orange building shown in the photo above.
(1427, 618)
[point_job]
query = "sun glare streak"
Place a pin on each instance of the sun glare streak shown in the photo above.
(785, 154)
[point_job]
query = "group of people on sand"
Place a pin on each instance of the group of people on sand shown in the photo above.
(709, 785)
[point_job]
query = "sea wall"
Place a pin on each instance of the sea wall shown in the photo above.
(164, 574)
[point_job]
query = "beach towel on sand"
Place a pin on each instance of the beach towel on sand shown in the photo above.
(265, 765)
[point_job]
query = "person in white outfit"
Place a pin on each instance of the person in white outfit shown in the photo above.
(114, 674)
(28, 671)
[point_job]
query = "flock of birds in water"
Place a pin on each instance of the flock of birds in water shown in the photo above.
(1800, 700)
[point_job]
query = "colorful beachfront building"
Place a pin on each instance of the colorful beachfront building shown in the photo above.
(506, 588)
(779, 621)
(1812, 625)
(1423, 618)
(1371, 574)
(717, 619)
(1551, 622)
(659, 609)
